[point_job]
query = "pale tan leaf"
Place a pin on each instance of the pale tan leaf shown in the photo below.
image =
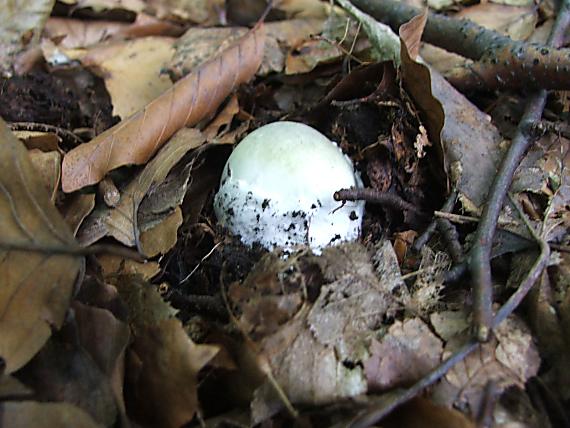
(132, 71)
(48, 166)
(22, 20)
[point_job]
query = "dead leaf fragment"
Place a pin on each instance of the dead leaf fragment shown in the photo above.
(162, 237)
(121, 221)
(48, 166)
(197, 96)
(164, 386)
(509, 359)
(408, 352)
(132, 71)
(36, 287)
(467, 141)
(25, 414)
(23, 21)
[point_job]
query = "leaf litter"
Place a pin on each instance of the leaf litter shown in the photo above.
(207, 332)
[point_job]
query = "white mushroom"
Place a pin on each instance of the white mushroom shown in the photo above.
(277, 189)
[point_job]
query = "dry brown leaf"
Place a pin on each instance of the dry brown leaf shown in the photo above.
(131, 70)
(79, 33)
(204, 12)
(76, 209)
(406, 353)
(48, 166)
(420, 412)
(197, 96)
(64, 372)
(108, 5)
(26, 414)
(44, 141)
(162, 237)
(200, 44)
(337, 38)
(274, 313)
(511, 358)
(116, 265)
(467, 143)
(121, 221)
(36, 287)
(162, 363)
(164, 384)
(105, 338)
(23, 22)
(516, 22)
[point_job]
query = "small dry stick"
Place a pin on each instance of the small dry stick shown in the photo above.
(426, 236)
(376, 412)
(64, 134)
(73, 250)
(488, 403)
(374, 196)
(499, 60)
(480, 255)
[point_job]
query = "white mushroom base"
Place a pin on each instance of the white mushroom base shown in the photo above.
(277, 189)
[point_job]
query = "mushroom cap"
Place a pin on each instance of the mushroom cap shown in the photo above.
(277, 189)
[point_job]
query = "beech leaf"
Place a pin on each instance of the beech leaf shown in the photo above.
(193, 98)
(36, 287)
(119, 221)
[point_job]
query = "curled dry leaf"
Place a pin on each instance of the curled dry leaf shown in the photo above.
(468, 142)
(162, 362)
(36, 287)
(121, 221)
(193, 98)
(164, 382)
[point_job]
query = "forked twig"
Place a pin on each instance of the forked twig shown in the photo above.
(480, 255)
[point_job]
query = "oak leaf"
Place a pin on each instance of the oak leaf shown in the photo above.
(192, 99)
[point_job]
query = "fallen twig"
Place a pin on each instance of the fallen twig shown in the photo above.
(501, 61)
(374, 196)
(425, 237)
(78, 251)
(375, 413)
(480, 264)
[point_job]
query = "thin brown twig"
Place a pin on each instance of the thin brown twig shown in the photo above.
(499, 60)
(376, 412)
(374, 196)
(64, 134)
(73, 250)
(425, 237)
(480, 255)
